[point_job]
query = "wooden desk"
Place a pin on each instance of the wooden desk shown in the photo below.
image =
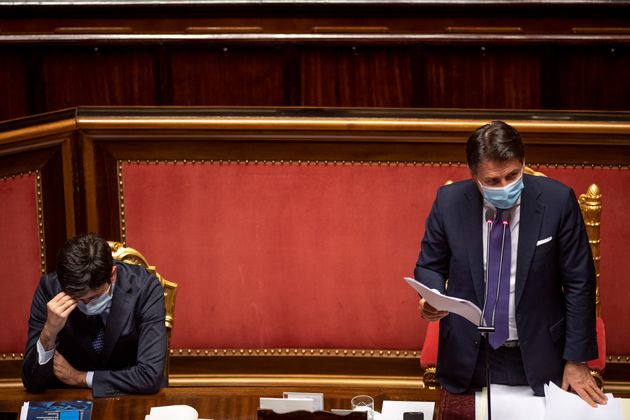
(219, 403)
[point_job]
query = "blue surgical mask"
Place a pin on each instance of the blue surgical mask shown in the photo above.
(97, 305)
(503, 197)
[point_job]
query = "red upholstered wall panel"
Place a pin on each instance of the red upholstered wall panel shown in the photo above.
(615, 235)
(20, 262)
(285, 255)
(306, 255)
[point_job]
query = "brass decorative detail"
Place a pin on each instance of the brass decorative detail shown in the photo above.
(591, 207)
(283, 352)
(599, 380)
(121, 203)
(12, 356)
(132, 256)
(40, 223)
(429, 378)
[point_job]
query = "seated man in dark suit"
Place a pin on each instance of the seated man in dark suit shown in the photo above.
(96, 323)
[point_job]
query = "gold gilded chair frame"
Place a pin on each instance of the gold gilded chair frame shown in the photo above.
(132, 256)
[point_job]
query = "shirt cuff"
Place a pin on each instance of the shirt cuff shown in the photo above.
(88, 378)
(43, 355)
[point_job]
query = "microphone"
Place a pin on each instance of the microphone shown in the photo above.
(490, 214)
(506, 217)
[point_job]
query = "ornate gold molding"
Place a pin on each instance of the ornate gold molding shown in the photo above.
(295, 380)
(345, 124)
(408, 354)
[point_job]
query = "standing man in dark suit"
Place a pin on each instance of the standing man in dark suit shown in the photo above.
(530, 228)
(95, 323)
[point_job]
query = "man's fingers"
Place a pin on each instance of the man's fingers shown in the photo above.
(69, 309)
(596, 394)
(586, 397)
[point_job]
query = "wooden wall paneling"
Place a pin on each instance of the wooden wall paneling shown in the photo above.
(100, 177)
(98, 75)
(593, 77)
(13, 84)
(54, 206)
(228, 75)
(353, 76)
(491, 77)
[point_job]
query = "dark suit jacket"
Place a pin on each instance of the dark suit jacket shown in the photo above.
(132, 360)
(555, 280)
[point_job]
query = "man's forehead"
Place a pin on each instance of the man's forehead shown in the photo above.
(498, 168)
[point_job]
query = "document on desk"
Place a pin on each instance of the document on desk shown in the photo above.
(510, 403)
(563, 405)
(461, 307)
(519, 403)
(170, 412)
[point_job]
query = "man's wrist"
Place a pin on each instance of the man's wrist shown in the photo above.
(47, 339)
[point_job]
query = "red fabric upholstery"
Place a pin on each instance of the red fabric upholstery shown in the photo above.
(285, 255)
(428, 357)
(599, 364)
(19, 258)
(257, 246)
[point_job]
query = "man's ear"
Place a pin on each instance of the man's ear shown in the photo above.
(113, 278)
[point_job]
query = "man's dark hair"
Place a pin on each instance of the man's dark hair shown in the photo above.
(84, 263)
(495, 142)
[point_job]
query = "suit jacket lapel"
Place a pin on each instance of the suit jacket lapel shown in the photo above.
(119, 314)
(531, 218)
(472, 227)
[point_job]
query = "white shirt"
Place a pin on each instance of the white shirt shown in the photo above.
(515, 212)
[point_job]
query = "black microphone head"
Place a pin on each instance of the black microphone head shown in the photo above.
(490, 213)
(506, 217)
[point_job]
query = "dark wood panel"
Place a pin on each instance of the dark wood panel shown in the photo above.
(13, 85)
(355, 76)
(228, 76)
(482, 77)
(236, 403)
(98, 76)
(593, 78)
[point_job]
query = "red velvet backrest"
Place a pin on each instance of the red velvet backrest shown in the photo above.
(20, 260)
(313, 255)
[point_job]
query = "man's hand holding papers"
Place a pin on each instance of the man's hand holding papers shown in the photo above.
(441, 305)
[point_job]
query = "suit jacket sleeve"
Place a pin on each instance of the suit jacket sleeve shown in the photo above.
(145, 376)
(36, 377)
(432, 266)
(579, 284)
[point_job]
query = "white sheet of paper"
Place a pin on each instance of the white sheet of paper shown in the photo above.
(169, 412)
(563, 405)
(285, 405)
(317, 397)
(509, 403)
(441, 302)
(394, 410)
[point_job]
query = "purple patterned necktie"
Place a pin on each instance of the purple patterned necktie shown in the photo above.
(501, 224)
(98, 333)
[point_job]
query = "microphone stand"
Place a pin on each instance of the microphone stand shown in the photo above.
(485, 331)
(482, 328)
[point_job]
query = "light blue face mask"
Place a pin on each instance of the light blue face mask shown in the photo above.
(97, 305)
(503, 197)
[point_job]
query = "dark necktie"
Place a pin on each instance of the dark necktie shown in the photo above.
(500, 299)
(97, 333)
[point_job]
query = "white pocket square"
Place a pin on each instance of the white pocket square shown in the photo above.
(544, 241)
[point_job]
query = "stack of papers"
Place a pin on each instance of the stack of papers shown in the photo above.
(518, 403)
